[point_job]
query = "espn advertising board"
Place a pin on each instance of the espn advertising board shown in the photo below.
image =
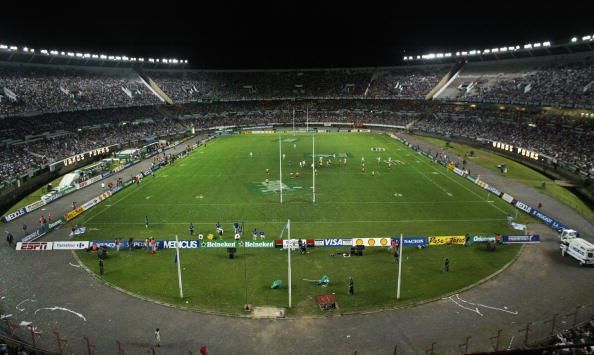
(521, 239)
(34, 246)
(67, 245)
(449, 239)
(372, 242)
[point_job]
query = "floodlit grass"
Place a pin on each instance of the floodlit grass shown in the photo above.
(520, 173)
(214, 282)
(222, 183)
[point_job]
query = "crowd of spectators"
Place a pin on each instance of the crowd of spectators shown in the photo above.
(35, 141)
(565, 139)
(87, 108)
(30, 154)
(580, 339)
(47, 89)
(554, 85)
(410, 84)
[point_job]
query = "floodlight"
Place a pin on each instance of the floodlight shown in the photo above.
(536, 45)
(63, 53)
(457, 53)
(510, 48)
(546, 44)
(464, 53)
(527, 46)
(418, 57)
(70, 54)
(495, 50)
(25, 49)
(44, 51)
(87, 55)
(517, 47)
(503, 49)
(13, 48)
(405, 58)
(141, 59)
(151, 60)
(586, 38)
(449, 54)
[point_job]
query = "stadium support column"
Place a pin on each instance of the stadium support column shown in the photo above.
(181, 288)
(313, 165)
(280, 166)
(289, 260)
(400, 250)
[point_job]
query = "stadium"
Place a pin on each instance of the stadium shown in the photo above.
(441, 204)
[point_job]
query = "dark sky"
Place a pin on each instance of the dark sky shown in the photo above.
(290, 34)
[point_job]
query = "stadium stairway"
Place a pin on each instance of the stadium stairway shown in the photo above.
(445, 81)
(152, 85)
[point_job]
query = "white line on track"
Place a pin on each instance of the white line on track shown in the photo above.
(485, 306)
(25, 300)
(61, 309)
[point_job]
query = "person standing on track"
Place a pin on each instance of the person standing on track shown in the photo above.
(146, 222)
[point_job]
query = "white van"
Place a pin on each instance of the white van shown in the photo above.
(580, 249)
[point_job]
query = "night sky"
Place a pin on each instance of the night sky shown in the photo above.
(292, 34)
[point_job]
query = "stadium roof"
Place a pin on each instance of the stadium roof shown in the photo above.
(294, 33)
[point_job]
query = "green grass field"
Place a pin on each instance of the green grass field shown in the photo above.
(221, 182)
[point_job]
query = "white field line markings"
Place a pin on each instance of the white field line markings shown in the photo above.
(467, 189)
(309, 203)
(148, 197)
(113, 204)
(71, 264)
(433, 182)
(321, 222)
(61, 309)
